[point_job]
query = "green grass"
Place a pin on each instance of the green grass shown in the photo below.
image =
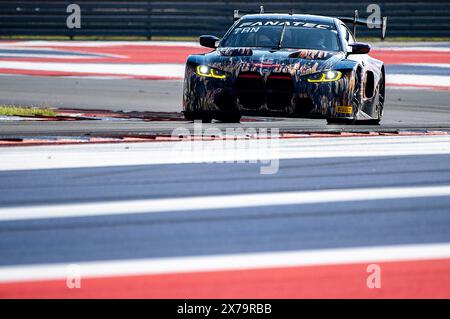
(11, 110)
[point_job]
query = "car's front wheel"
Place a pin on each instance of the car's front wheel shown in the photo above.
(380, 103)
(228, 118)
(192, 116)
(339, 121)
(379, 106)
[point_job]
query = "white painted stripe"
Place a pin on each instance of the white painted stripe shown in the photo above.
(99, 44)
(413, 79)
(98, 77)
(168, 70)
(229, 262)
(179, 204)
(432, 65)
(177, 70)
(103, 155)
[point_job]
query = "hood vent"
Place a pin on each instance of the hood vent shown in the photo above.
(311, 55)
(236, 52)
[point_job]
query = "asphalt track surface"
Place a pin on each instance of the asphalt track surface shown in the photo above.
(114, 95)
(406, 109)
(319, 165)
(226, 231)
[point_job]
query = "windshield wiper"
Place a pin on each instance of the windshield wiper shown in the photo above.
(278, 47)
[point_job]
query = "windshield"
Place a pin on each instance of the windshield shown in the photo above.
(278, 37)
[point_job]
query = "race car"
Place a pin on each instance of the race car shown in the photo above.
(285, 65)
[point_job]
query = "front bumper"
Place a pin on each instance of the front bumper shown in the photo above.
(271, 94)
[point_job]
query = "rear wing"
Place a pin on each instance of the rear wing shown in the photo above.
(356, 20)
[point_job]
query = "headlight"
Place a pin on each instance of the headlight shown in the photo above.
(204, 70)
(328, 76)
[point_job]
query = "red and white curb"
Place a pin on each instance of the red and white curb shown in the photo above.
(42, 141)
(165, 60)
(407, 271)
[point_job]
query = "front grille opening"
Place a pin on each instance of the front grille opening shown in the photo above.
(279, 89)
(250, 90)
(225, 102)
(304, 105)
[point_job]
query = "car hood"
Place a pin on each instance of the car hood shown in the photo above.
(300, 62)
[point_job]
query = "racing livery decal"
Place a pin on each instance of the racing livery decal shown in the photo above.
(276, 68)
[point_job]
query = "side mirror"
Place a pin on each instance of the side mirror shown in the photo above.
(359, 48)
(209, 41)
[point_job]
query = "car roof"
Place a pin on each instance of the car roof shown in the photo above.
(284, 16)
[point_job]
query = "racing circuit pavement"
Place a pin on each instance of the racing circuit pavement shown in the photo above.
(335, 206)
(143, 220)
(406, 108)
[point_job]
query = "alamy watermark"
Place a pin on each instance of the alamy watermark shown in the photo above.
(374, 19)
(374, 279)
(73, 21)
(73, 276)
(232, 145)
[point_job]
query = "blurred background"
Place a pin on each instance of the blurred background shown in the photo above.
(178, 19)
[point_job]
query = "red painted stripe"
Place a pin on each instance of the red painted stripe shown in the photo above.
(412, 279)
(162, 138)
(396, 57)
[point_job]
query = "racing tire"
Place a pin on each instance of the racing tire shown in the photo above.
(380, 104)
(197, 116)
(228, 118)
